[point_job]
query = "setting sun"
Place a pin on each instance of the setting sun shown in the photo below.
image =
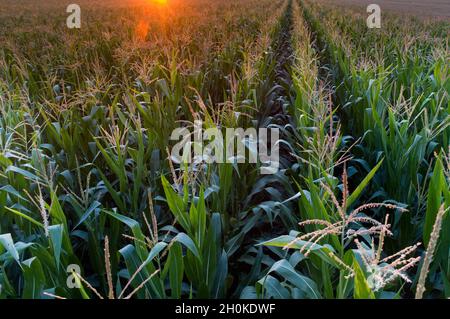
(160, 2)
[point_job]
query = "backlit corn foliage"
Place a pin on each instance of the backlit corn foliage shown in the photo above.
(358, 209)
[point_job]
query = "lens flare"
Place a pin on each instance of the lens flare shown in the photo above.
(141, 30)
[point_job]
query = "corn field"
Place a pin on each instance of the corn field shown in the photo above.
(94, 206)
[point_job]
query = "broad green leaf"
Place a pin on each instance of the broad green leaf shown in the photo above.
(355, 194)
(135, 229)
(176, 269)
(305, 284)
(362, 289)
(30, 176)
(7, 242)
(34, 279)
(56, 237)
(153, 288)
(176, 204)
(434, 199)
(188, 243)
(58, 217)
(273, 289)
(88, 212)
(30, 219)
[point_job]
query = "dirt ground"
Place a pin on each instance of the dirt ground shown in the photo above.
(426, 8)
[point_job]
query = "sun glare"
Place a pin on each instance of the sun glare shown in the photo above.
(160, 2)
(141, 30)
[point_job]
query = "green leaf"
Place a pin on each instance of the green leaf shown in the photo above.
(30, 219)
(135, 229)
(176, 204)
(284, 240)
(362, 289)
(305, 284)
(34, 279)
(188, 243)
(133, 262)
(248, 292)
(273, 288)
(176, 269)
(354, 196)
(88, 212)
(56, 237)
(437, 183)
(7, 242)
(30, 176)
(58, 217)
